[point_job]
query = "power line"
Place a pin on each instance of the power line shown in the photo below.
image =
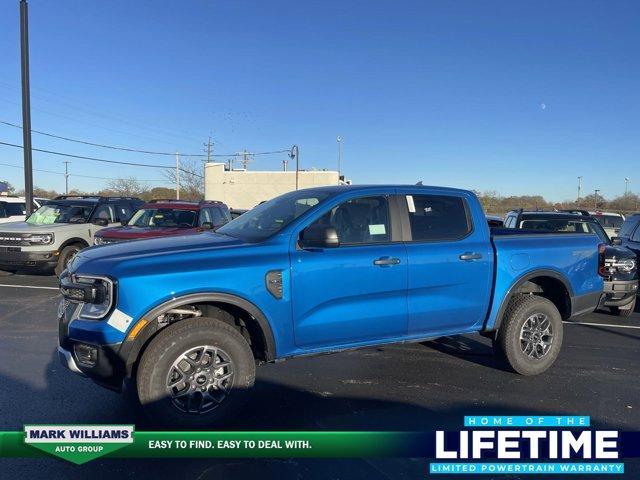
(134, 150)
(82, 176)
(93, 159)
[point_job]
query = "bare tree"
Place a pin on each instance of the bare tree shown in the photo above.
(191, 181)
(124, 187)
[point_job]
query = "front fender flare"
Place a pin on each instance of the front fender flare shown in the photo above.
(130, 349)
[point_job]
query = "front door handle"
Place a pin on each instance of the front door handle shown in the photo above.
(386, 261)
(470, 256)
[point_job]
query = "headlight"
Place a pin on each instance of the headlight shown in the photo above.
(98, 240)
(40, 238)
(94, 293)
(625, 265)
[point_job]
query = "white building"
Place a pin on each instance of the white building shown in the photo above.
(246, 189)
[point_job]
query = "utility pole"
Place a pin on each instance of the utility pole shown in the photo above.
(66, 176)
(209, 150)
(295, 153)
(626, 186)
(245, 159)
(26, 106)
(177, 176)
(595, 199)
(579, 188)
(339, 139)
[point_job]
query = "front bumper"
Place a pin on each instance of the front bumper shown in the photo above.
(66, 359)
(619, 293)
(16, 257)
(108, 369)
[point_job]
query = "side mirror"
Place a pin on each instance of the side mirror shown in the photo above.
(101, 222)
(319, 236)
(208, 226)
(124, 221)
(616, 241)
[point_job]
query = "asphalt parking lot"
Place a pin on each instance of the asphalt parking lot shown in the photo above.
(405, 387)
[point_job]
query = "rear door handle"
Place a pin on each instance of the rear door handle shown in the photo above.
(386, 261)
(469, 256)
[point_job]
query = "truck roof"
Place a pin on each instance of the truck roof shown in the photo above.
(352, 188)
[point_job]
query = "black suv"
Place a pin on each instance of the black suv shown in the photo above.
(620, 265)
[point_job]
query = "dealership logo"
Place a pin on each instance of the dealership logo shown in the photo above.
(78, 443)
(527, 445)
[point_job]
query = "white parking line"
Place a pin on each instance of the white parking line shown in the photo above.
(28, 286)
(602, 325)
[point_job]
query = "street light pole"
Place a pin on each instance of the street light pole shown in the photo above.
(26, 106)
(579, 188)
(66, 176)
(595, 199)
(177, 176)
(339, 139)
(295, 153)
(626, 186)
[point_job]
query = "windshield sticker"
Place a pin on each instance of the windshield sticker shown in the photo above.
(410, 204)
(377, 229)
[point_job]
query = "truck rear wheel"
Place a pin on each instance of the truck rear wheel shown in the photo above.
(530, 335)
(195, 373)
(625, 311)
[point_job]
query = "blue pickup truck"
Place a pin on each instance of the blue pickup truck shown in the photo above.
(185, 320)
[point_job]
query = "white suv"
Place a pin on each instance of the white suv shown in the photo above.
(12, 209)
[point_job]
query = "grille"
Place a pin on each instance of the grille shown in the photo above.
(13, 239)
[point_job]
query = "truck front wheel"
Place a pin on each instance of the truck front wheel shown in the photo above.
(195, 373)
(530, 336)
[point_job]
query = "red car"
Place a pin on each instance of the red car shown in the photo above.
(162, 218)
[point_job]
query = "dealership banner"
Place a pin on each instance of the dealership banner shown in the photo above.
(484, 444)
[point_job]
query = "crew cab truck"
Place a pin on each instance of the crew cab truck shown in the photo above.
(185, 320)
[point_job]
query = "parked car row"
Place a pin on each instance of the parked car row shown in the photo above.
(59, 228)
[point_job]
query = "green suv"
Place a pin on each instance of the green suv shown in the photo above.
(59, 229)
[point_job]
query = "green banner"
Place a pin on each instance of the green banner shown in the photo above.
(206, 444)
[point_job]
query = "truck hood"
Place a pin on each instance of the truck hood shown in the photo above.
(134, 233)
(104, 259)
(24, 227)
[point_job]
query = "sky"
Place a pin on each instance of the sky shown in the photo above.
(520, 97)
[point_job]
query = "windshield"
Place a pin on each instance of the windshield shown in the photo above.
(565, 225)
(60, 213)
(270, 217)
(609, 221)
(164, 217)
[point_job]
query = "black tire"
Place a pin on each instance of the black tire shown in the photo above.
(509, 344)
(168, 347)
(65, 257)
(625, 311)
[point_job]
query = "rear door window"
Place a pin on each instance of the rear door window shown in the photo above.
(437, 217)
(627, 227)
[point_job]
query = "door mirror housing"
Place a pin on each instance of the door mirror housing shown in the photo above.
(208, 226)
(124, 221)
(616, 241)
(319, 236)
(101, 222)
